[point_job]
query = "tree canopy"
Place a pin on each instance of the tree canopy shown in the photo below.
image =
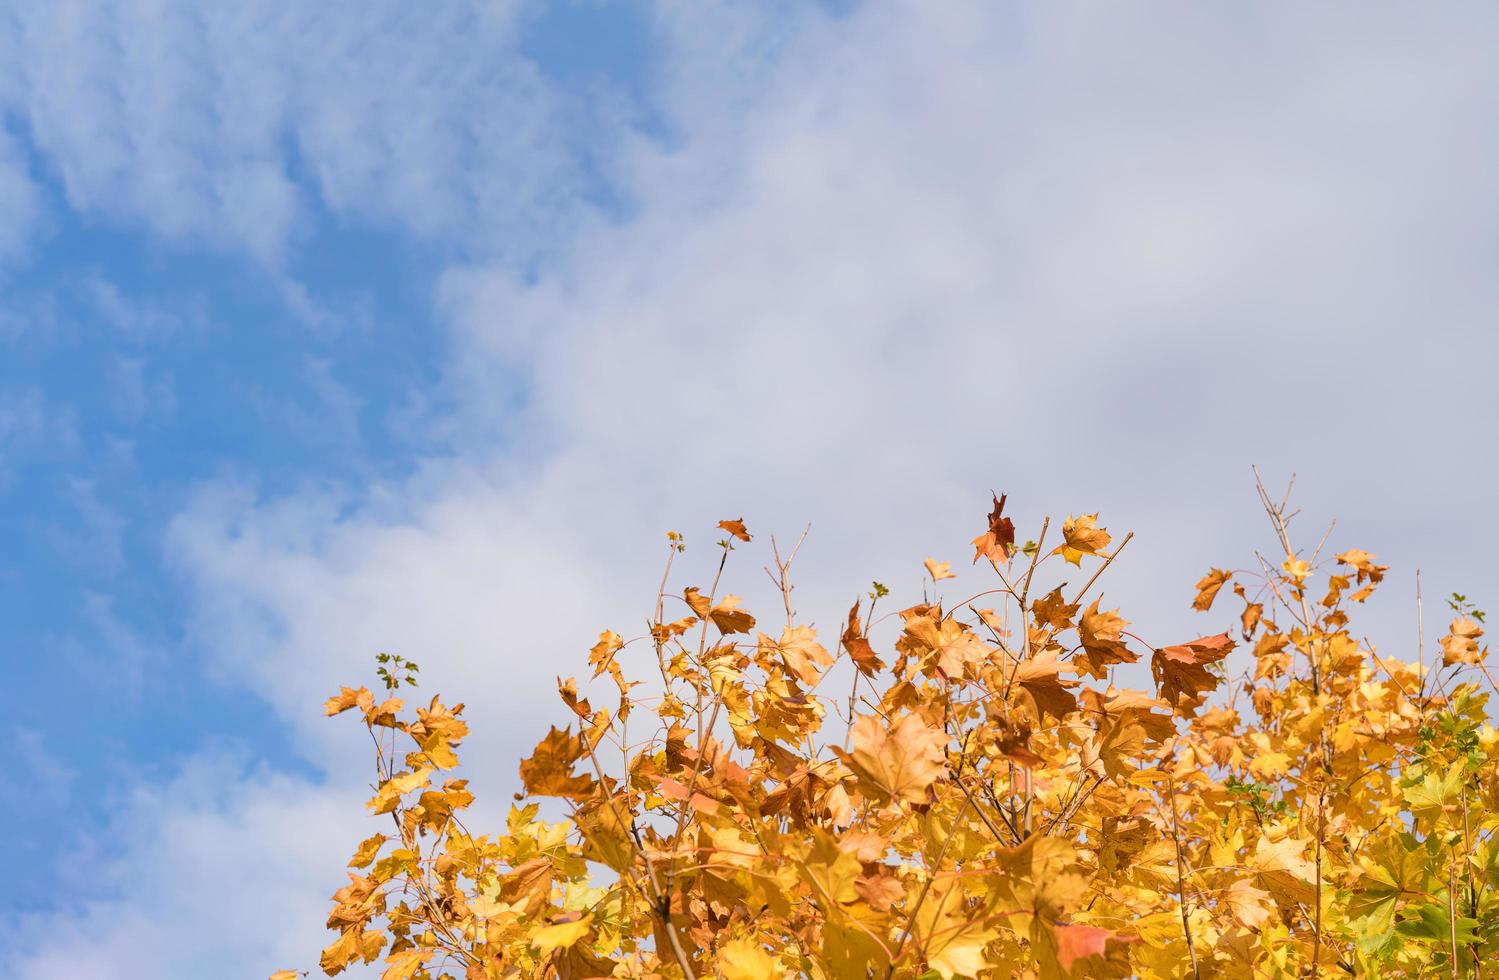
(969, 795)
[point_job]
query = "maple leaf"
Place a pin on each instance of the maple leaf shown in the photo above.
(882, 892)
(1081, 536)
(1207, 588)
(1460, 645)
(943, 645)
(800, 652)
(347, 698)
(352, 944)
(1100, 634)
(561, 935)
(601, 656)
(938, 570)
(1040, 678)
(367, 850)
(1054, 611)
(736, 528)
(1283, 868)
(950, 936)
(744, 959)
(998, 543)
(388, 797)
(548, 770)
(859, 650)
(1296, 569)
(1181, 671)
(1436, 794)
(1250, 618)
(1363, 564)
(403, 964)
(1251, 906)
(901, 761)
(729, 618)
(1014, 741)
(726, 614)
(1076, 942)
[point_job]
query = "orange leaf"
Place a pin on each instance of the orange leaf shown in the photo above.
(901, 761)
(998, 543)
(736, 528)
(1181, 671)
(1208, 586)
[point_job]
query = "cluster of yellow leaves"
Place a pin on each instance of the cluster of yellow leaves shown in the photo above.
(979, 799)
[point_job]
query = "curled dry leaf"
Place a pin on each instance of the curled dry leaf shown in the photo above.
(1208, 586)
(998, 543)
(736, 528)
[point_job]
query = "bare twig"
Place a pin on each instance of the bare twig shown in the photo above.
(1106, 563)
(1181, 894)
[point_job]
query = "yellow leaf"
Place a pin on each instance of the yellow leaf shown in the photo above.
(1251, 906)
(938, 570)
(952, 940)
(1460, 645)
(404, 964)
(348, 697)
(1270, 765)
(1081, 536)
(745, 959)
(351, 944)
(1282, 867)
(902, 761)
(799, 650)
(601, 657)
(391, 791)
(561, 935)
(367, 850)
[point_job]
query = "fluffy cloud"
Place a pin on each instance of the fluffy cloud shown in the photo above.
(1098, 264)
(1096, 259)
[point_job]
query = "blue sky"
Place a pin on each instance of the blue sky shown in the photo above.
(137, 367)
(370, 326)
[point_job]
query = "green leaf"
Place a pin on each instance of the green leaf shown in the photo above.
(1433, 925)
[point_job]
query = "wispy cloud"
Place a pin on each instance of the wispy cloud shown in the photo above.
(32, 428)
(20, 200)
(231, 126)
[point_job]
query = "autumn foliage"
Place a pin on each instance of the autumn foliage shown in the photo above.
(960, 789)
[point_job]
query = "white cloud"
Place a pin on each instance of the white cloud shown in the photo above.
(20, 200)
(95, 539)
(1098, 265)
(143, 320)
(136, 395)
(30, 428)
(221, 868)
(224, 124)
(1098, 260)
